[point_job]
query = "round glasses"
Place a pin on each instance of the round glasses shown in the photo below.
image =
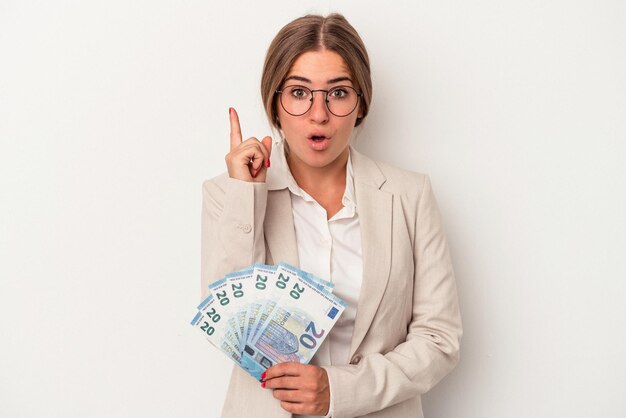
(340, 100)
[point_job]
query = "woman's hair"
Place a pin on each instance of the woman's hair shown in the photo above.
(314, 33)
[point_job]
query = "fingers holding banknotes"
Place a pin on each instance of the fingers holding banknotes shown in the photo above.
(247, 160)
(302, 389)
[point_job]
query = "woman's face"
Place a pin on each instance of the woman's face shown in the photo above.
(318, 70)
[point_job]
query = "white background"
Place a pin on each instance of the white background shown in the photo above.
(112, 113)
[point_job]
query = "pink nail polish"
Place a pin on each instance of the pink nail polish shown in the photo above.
(268, 163)
(263, 375)
(263, 384)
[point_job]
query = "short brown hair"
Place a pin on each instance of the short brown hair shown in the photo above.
(312, 33)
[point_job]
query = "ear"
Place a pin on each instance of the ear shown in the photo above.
(359, 116)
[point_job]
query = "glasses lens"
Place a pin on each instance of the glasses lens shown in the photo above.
(342, 100)
(296, 100)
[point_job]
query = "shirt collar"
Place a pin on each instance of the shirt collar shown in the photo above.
(279, 177)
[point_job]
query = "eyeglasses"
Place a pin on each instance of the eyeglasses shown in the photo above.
(340, 100)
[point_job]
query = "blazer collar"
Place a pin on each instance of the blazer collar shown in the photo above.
(279, 229)
(279, 177)
(366, 170)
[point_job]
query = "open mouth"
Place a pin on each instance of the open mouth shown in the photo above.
(318, 140)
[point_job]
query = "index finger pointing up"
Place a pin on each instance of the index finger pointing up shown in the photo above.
(235, 129)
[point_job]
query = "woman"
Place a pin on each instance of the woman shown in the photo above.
(374, 230)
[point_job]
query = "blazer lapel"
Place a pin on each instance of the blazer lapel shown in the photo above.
(280, 233)
(374, 207)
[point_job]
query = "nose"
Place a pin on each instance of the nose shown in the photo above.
(319, 112)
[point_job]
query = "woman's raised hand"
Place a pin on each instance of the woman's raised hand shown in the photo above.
(247, 160)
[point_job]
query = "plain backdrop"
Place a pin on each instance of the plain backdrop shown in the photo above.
(112, 113)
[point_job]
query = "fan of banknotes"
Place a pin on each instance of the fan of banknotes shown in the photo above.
(265, 315)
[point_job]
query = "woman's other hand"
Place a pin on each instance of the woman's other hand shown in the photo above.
(301, 389)
(247, 160)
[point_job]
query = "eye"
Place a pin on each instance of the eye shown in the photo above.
(339, 93)
(299, 93)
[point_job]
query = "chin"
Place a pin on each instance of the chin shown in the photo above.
(323, 160)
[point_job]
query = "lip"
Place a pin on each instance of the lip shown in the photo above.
(318, 144)
(317, 133)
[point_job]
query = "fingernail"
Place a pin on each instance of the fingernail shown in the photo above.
(263, 384)
(268, 163)
(230, 110)
(263, 375)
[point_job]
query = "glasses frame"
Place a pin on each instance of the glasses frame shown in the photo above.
(358, 99)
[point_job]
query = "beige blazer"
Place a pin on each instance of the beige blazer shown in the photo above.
(408, 326)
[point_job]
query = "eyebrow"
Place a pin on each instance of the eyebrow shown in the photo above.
(306, 80)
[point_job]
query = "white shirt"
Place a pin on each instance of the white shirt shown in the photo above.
(328, 248)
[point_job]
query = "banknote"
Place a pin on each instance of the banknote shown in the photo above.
(240, 283)
(261, 295)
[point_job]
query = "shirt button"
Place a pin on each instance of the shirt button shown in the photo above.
(245, 228)
(356, 359)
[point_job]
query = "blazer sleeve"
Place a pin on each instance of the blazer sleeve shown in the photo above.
(431, 349)
(233, 212)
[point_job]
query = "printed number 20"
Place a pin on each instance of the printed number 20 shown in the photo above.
(308, 340)
(207, 328)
